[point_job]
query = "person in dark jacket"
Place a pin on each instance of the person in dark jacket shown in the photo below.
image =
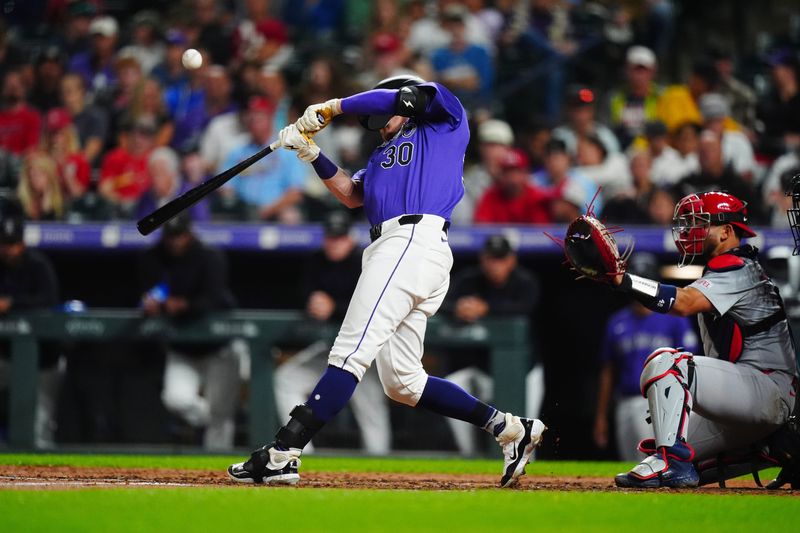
(183, 278)
(28, 283)
(328, 283)
(497, 287)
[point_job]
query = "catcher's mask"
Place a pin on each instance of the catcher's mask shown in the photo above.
(378, 122)
(696, 213)
(794, 212)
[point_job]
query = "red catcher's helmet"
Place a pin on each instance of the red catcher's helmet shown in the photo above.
(696, 213)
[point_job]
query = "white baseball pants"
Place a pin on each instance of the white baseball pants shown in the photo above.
(404, 277)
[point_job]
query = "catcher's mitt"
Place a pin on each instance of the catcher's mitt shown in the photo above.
(592, 250)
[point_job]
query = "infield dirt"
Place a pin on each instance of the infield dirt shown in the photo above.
(64, 477)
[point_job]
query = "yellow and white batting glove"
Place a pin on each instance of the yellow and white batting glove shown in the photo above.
(291, 139)
(317, 116)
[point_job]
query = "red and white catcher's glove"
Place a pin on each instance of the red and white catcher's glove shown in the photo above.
(592, 250)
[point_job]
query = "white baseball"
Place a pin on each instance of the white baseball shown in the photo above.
(192, 59)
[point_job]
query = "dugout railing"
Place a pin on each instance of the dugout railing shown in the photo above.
(506, 341)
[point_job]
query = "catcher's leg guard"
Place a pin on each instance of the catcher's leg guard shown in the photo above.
(730, 466)
(665, 384)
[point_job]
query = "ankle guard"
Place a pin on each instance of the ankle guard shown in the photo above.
(300, 429)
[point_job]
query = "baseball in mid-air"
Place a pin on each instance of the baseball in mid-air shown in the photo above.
(192, 59)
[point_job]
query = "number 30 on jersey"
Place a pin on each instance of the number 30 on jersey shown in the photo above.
(400, 153)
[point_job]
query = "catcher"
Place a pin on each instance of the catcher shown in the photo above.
(713, 416)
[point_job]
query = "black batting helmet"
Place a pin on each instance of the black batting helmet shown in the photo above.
(376, 122)
(12, 220)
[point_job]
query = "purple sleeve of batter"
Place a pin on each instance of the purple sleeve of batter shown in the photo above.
(374, 102)
(442, 106)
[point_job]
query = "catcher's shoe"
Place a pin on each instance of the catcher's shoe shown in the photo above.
(670, 467)
(519, 438)
(268, 465)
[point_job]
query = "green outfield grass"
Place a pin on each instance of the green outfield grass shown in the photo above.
(276, 509)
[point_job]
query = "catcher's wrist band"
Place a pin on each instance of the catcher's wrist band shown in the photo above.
(324, 167)
(656, 296)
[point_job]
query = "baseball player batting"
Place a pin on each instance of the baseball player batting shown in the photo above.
(706, 411)
(409, 188)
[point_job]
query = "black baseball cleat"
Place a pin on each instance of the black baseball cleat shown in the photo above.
(519, 438)
(268, 465)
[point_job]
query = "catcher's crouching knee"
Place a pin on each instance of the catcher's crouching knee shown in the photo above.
(406, 388)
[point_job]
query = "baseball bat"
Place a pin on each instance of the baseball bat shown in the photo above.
(151, 222)
(148, 224)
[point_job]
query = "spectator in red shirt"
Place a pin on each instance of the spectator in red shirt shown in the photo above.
(60, 140)
(124, 177)
(512, 199)
(19, 123)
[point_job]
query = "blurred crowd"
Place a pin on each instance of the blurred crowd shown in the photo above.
(100, 120)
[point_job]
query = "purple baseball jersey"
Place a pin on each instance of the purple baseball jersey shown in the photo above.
(420, 170)
(630, 338)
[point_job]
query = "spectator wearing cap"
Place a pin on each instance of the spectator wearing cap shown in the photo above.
(608, 171)
(581, 111)
(28, 282)
(273, 186)
(495, 138)
(636, 103)
(630, 336)
(75, 35)
(499, 287)
(272, 48)
(91, 122)
(558, 179)
(182, 278)
(736, 147)
(716, 174)
(779, 109)
(328, 282)
(465, 68)
(164, 167)
(741, 98)
(170, 72)
(20, 124)
(668, 166)
(47, 79)
(96, 66)
(39, 191)
(512, 199)
(60, 141)
(124, 177)
(146, 44)
(679, 103)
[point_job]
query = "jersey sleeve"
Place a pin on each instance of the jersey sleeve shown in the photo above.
(443, 106)
(723, 289)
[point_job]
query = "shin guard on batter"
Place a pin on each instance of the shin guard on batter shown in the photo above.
(665, 383)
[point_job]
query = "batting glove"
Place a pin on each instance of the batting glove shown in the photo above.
(291, 139)
(317, 116)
